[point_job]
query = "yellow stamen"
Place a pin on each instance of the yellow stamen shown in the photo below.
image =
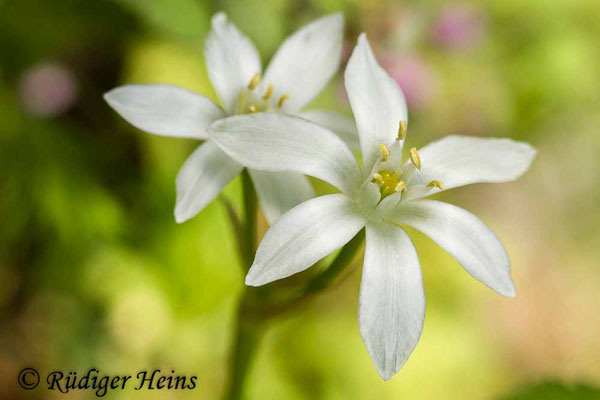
(378, 178)
(437, 184)
(252, 109)
(385, 152)
(254, 81)
(269, 92)
(400, 186)
(414, 157)
(282, 99)
(398, 172)
(402, 128)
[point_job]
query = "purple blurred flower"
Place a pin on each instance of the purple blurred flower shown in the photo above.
(47, 89)
(414, 76)
(458, 27)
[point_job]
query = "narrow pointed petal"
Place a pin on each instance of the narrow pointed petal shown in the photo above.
(338, 123)
(201, 178)
(303, 236)
(279, 192)
(277, 142)
(463, 236)
(392, 300)
(306, 61)
(164, 110)
(461, 160)
(231, 60)
(376, 99)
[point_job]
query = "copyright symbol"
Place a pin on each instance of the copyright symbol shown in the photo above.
(28, 378)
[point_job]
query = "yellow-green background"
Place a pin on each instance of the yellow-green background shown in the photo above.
(94, 272)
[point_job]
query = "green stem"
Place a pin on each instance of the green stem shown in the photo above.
(254, 308)
(237, 225)
(248, 328)
(249, 331)
(249, 231)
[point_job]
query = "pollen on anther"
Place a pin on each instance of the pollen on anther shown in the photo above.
(252, 109)
(385, 152)
(414, 157)
(400, 186)
(402, 128)
(436, 184)
(269, 92)
(282, 99)
(378, 178)
(254, 81)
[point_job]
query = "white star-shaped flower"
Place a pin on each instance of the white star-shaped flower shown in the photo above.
(385, 194)
(301, 67)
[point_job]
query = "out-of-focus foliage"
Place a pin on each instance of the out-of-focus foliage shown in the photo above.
(555, 391)
(95, 272)
(183, 18)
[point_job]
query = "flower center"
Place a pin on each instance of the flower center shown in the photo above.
(389, 182)
(250, 101)
(388, 174)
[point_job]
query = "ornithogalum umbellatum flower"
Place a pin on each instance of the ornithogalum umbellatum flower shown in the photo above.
(301, 67)
(381, 197)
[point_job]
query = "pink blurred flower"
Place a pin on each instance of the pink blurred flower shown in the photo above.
(458, 27)
(47, 89)
(346, 51)
(414, 76)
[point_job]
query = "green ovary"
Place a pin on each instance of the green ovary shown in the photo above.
(389, 183)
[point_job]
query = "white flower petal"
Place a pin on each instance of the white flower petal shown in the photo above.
(306, 61)
(279, 192)
(376, 99)
(462, 235)
(392, 301)
(231, 60)
(165, 110)
(370, 196)
(462, 160)
(201, 178)
(303, 236)
(340, 124)
(277, 142)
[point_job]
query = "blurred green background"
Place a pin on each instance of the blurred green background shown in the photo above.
(94, 272)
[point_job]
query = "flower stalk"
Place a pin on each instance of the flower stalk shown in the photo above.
(257, 307)
(249, 331)
(248, 236)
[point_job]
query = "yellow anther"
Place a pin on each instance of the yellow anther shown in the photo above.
(402, 128)
(414, 157)
(269, 92)
(282, 99)
(400, 186)
(252, 109)
(378, 178)
(436, 184)
(385, 152)
(254, 81)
